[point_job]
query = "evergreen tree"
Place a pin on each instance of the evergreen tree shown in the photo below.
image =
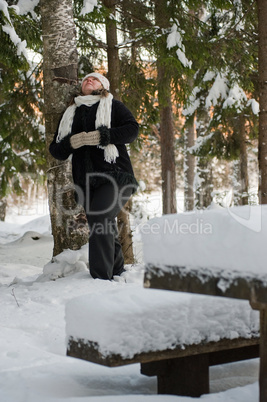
(21, 133)
(224, 83)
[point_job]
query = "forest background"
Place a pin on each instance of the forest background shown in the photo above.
(191, 71)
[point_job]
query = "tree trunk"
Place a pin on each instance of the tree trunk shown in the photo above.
(189, 166)
(240, 168)
(60, 76)
(112, 49)
(204, 186)
(204, 176)
(125, 233)
(123, 221)
(243, 161)
(166, 119)
(262, 18)
(236, 180)
(167, 156)
(3, 205)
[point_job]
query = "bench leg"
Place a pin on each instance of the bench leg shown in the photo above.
(263, 355)
(187, 376)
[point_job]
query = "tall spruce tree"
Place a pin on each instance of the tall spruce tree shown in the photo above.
(224, 83)
(21, 133)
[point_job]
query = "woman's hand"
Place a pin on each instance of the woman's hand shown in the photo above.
(84, 138)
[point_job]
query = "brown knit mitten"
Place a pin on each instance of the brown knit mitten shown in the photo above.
(84, 138)
(92, 138)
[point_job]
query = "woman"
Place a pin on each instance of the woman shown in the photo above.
(95, 129)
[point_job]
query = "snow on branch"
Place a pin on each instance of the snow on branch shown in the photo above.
(194, 103)
(199, 143)
(88, 6)
(21, 45)
(27, 6)
(218, 90)
(4, 8)
(236, 97)
(9, 29)
(233, 95)
(254, 106)
(175, 39)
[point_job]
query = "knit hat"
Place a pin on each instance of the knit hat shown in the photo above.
(104, 81)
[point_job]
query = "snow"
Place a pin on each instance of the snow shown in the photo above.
(4, 9)
(10, 30)
(199, 142)
(209, 75)
(27, 6)
(254, 106)
(218, 89)
(221, 89)
(194, 103)
(236, 97)
(229, 239)
(33, 362)
(88, 6)
(175, 39)
(132, 321)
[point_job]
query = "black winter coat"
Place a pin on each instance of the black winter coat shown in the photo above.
(90, 159)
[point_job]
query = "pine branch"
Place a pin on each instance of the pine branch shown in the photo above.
(99, 42)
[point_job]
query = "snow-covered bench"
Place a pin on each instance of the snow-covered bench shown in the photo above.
(220, 252)
(175, 336)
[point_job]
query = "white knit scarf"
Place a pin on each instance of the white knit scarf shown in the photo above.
(103, 118)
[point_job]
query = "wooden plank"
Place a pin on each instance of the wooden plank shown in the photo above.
(234, 355)
(86, 350)
(206, 281)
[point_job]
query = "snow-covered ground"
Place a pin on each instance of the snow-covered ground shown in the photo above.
(33, 362)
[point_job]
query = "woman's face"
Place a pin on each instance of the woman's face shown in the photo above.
(90, 84)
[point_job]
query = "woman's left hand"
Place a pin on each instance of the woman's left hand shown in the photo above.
(84, 138)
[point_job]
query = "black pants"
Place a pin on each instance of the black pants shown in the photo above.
(105, 253)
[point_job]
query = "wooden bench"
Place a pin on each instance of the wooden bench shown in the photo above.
(223, 283)
(215, 252)
(180, 370)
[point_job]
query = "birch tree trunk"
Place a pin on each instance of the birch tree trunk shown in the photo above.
(60, 77)
(124, 228)
(262, 18)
